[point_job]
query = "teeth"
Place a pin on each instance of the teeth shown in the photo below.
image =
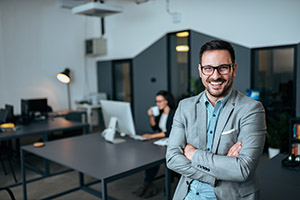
(216, 83)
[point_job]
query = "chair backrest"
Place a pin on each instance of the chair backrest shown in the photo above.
(8, 191)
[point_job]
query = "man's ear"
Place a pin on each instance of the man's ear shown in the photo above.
(234, 69)
(199, 69)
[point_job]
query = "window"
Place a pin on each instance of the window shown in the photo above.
(273, 74)
(122, 80)
(179, 72)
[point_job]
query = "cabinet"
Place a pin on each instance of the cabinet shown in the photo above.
(294, 137)
(92, 113)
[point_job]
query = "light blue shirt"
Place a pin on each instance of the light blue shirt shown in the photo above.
(199, 190)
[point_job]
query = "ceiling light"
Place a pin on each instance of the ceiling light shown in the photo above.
(183, 34)
(182, 48)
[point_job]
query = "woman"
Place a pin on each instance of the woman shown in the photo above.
(161, 124)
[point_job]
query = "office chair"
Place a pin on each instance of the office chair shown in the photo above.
(8, 191)
(6, 153)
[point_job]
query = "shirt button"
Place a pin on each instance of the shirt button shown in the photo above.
(208, 149)
(214, 115)
(197, 193)
(210, 132)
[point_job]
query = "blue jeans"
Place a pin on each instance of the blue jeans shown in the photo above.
(200, 191)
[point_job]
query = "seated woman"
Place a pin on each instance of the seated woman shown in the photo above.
(161, 124)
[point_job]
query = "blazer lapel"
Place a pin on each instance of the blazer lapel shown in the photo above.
(201, 123)
(223, 118)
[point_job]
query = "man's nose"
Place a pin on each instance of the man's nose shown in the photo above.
(215, 74)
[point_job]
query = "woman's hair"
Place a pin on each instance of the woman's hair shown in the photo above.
(169, 97)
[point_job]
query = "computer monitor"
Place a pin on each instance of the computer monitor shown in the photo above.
(3, 115)
(10, 113)
(31, 106)
(117, 117)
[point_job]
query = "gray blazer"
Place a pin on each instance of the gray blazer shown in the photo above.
(242, 119)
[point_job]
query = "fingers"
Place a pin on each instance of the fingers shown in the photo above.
(149, 112)
(148, 136)
(234, 150)
(188, 151)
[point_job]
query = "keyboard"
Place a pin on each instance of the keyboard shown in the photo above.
(162, 142)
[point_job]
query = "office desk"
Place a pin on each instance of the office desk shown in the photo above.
(92, 155)
(276, 182)
(44, 127)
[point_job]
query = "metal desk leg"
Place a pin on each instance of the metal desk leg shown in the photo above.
(87, 129)
(104, 190)
(46, 162)
(23, 175)
(167, 183)
(81, 179)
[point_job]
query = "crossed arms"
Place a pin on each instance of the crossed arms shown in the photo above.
(237, 164)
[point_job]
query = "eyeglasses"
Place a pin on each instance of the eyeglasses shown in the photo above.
(222, 69)
(159, 101)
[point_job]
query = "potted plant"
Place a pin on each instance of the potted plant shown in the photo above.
(277, 132)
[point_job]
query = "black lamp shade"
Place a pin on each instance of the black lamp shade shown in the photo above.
(64, 76)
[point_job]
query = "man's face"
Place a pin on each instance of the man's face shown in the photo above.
(217, 86)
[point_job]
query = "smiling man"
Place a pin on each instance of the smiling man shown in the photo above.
(218, 136)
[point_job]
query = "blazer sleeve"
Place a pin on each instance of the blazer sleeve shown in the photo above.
(175, 159)
(252, 131)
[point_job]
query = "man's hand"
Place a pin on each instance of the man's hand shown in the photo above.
(189, 151)
(234, 150)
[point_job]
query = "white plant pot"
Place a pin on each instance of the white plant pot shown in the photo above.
(273, 152)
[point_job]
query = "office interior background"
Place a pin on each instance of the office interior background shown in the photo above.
(38, 39)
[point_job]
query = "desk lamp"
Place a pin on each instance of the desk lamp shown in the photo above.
(64, 77)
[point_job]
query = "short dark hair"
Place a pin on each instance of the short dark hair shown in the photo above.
(169, 97)
(217, 45)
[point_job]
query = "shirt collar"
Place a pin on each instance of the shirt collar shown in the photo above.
(222, 101)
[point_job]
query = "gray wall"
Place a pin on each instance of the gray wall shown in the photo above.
(150, 64)
(243, 59)
(104, 72)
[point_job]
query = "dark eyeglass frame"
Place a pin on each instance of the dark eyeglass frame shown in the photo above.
(217, 68)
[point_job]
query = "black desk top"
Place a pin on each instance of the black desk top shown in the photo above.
(277, 182)
(43, 126)
(92, 155)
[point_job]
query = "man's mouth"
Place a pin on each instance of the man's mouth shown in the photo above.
(216, 83)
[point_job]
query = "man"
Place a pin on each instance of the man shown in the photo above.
(217, 137)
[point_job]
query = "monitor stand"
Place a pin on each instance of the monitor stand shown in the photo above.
(110, 132)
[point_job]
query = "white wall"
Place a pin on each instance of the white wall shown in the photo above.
(38, 39)
(251, 23)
